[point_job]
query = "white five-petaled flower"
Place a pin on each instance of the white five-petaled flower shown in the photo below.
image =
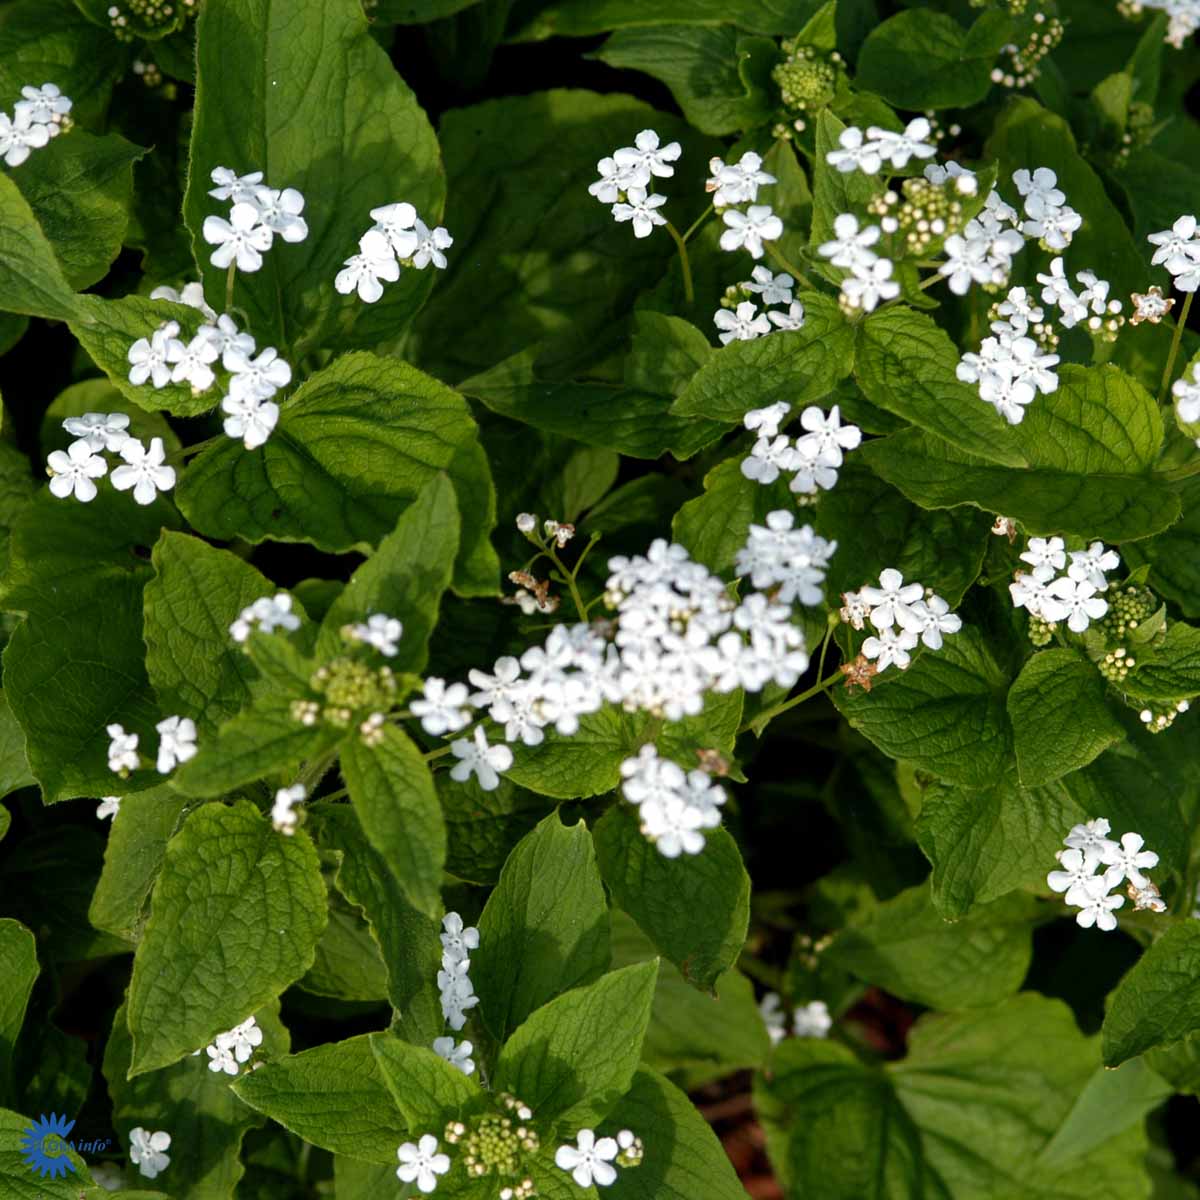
(421, 1163)
(851, 246)
(590, 1160)
(109, 806)
(458, 938)
(869, 285)
(743, 325)
(1099, 908)
(192, 361)
(774, 289)
(898, 148)
(280, 212)
(890, 647)
(812, 1020)
(144, 470)
(43, 106)
(242, 239)
(249, 418)
(476, 757)
(240, 189)
(148, 1151)
(149, 357)
(890, 598)
(1090, 837)
(396, 222)
(1077, 875)
(929, 619)
(737, 183)
(1127, 860)
(750, 229)
(441, 708)
(283, 813)
(259, 378)
(381, 631)
(191, 295)
(375, 261)
(1178, 248)
(18, 137)
(220, 1058)
(101, 431)
(827, 437)
(642, 210)
(429, 246)
(122, 750)
(1040, 190)
(266, 614)
(457, 1054)
(855, 153)
(1074, 601)
(646, 157)
(614, 179)
(177, 742)
(242, 1040)
(228, 339)
(792, 318)
(766, 420)
(1093, 563)
(73, 471)
(1045, 552)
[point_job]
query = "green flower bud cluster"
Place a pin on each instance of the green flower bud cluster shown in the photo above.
(1116, 664)
(929, 211)
(132, 19)
(1128, 607)
(632, 1154)
(348, 687)
(1157, 721)
(1041, 633)
(733, 296)
(1025, 65)
(1043, 332)
(807, 79)
(1014, 8)
(496, 1144)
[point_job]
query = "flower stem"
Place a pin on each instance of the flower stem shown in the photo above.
(708, 212)
(759, 723)
(568, 577)
(1179, 324)
(195, 448)
(314, 771)
(795, 272)
(229, 277)
(685, 266)
(436, 753)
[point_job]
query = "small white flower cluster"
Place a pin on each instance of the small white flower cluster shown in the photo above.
(1089, 848)
(745, 322)
(868, 153)
(793, 561)
(1178, 249)
(983, 253)
(1091, 305)
(257, 214)
(165, 358)
(39, 116)
(73, 471)
(453, 980)
(673, 805)
(421, 1163)
(228, 1050)
(1183, 17)
(148, 1151)
(870, 279)
(1071, 597)
(1010, 369)
(265, 615)
(177, 743)
(1187, 398)
(812, 1020)
(1048, 217)
(379, 631)
(590, 1160)
(626, 175)
(284, 814)
(814, 457)
(903, 614)
(399, 238)
(731, 184)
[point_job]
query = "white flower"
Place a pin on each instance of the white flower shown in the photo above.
(1074, 601)
(1178, 247)
(43, 106)
(1040, 190)
(240, 189)
(827, 437)
(794, 559)
(968, 262)
(768, 457)
(770, 1008)
(477, 758)
(101, 431)
(1187, 399)
(148, 1151)
(143, 470)
(258, 378)
(19, 137)
(241, 1040)
(890, 647)
(441, 710)
(792, 319)
(892, 597)
(395, 222)
(381, 631)
(149, 358)
(191, 295)
(109, 806)
(458, 939)
(855, 153)
(250, 419)
(813, 1020)
(642, 210)
(614, 179)
(646, 156)
(774, 289)
(1099, 908)
(1091, 837)
(589, 1160)
(421, 1163)
(122, 750)
(228, 339)
(192, 361)
(280, 212)
(1045, 552)
(930, 618)
(177, 742)
(850, 247)
(750, 229)
(1092, 564)
(1076, 878)
(431, 243)
(72, 471)
(283, 812)
(674, 828)
(766, 420)
(456, 991)
(220, 1058)
(811, 474)
(898, 148)
(1127, 860)
(456, 1054)
(266, 614)
(241, 239)
(744, 325)
(868, 285)
(737, 183)
(1029, 589)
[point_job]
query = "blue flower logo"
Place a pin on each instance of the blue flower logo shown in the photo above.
(44, 1146)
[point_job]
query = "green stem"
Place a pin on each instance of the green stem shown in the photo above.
(830, 627)
(759, 723)
(1192, 468)
(584, 553)
(795, 272)
(708, 212)
(312, 774)
(928, 283)
(436, 753)
(229, 277)
(1179, 324)
(568, 577)
(191, 451)
(685, 266)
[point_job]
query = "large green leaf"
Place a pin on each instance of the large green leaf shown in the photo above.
(545, 927)
(1167, 671)
(74, 664)
(237, 912)
(352, 450)
(1174, 555)
(31, 281)
(834, 192)
(18, 970)
(427, 1089)
(578, 18)
(14, 766)
(321, 109)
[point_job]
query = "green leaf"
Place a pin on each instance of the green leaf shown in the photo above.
(1174, 554)
(579, 18)
(703, 68)
(16, 492)
(1059, 716)
(333, 1096)
(1167, 671)
(575, 1057)
(98, 395)
(197, 592)
(834, 191)
(945, 714)
(927, 60)
(799, 366)
(906, 947)
(74, 664)
(694, 909)
(348, 965)
(213, 949)
(392, 791)
(31, 281)
(906, 366)
(1090, 447)
(544, 929)
(404, 578)
(81, 191)
(318, 101)
(1158, 1002)
(18, 971)
(427, 1089)
(14, 766)
(352, 449)
(133, 857)
(17, 1182)
(482, 828)
(199, 1108)
(691, 1161)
